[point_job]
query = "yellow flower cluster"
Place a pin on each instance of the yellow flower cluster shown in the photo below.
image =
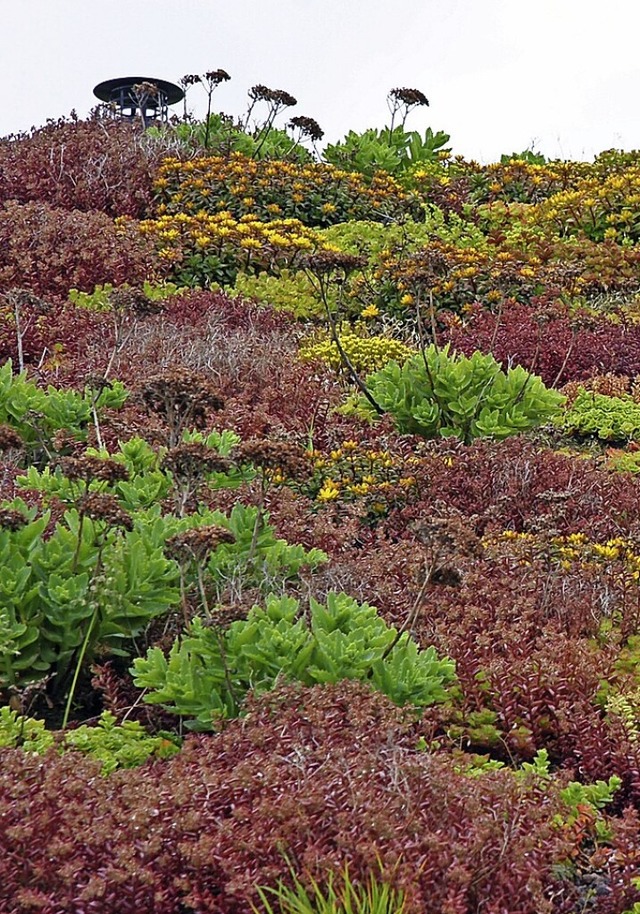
(366, 353)
(522, 181)
(352, 472)
(577, 548)
(601, 209)
(316, 193)
(225, 245)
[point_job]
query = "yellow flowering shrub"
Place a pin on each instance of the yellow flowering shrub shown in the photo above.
(457, 277)
(206, 249)
(520, 181)
(366, 353)
(600, 208)
(356, 472)
(315, 193)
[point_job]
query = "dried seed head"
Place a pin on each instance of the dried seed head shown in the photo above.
(183, 395)
(187, 461)
(22, 298)
(409, 96)
(215, 77)
(135, 301)
(260, 93)
(308, 127)
(280, 456)
(448, 535)
(323, 262)
(107, 508)
(12, 520)
(89, 468)
(284, 98)
(277, 96)
(9, 438)
(197, 543)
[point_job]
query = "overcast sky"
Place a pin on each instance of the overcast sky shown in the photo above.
(501, 75)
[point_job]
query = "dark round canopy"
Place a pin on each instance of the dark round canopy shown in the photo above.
(111, 89)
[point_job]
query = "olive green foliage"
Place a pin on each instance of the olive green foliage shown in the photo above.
(36, 414)
(366, 353)
(309, 897)
(125, 745)
(100, 298)
(615, 419)
(293, 291)
(209, 671)
(438, 394)
(394, 151)
(375, 238)
(290, 290)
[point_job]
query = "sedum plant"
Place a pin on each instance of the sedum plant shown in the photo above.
(37, 414)
(366, 353)
(209, 672)
(439, 394)
(88, 583)
(596, 415)
(125, 745)
(290, 290)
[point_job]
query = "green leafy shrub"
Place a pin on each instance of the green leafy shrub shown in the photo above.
(256, 557)
(66, 592)
(607, 418)
(208, 672)
(36, 414)
(394, 151)
(89, 585)
(438, 394)
(148, 481)
(125, 745)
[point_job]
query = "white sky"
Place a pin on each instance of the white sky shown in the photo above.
(501, 75)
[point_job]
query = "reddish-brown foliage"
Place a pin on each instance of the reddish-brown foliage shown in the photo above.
(550, 343)
(323, 776)
(104, 165)
(50, 251)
